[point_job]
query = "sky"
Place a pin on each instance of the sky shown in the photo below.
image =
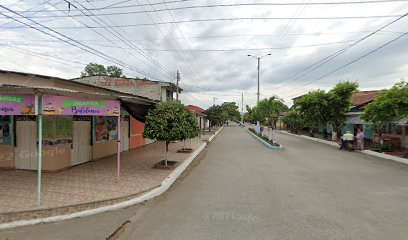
(313, 44)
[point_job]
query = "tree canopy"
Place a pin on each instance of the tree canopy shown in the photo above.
(219, 114)
(267, 111)
(391, 105)
(170, 121)
(94, 69)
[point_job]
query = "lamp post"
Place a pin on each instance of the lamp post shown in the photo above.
(258, 128)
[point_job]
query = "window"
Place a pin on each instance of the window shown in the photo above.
(6, 130)
(57, 130)
(105, 128)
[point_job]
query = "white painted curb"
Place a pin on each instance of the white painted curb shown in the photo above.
(280, 148)
(386, 156)
(368, 152)
(215, 134)
(147, 196)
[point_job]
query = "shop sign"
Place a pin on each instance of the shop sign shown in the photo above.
(61, 105)
(17, 104)
(353, 119)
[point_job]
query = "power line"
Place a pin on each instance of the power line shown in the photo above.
(119, 36)
(351, 62)
(70, 41)
(109, 7)
(325, 60)
(233, 19)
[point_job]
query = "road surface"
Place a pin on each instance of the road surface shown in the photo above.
(242, 190)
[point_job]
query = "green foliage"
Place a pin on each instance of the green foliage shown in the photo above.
(214, 114)
(340, 101)
(268, 110)
(314, 108)
(391, 105)
(265, 138)
(230, 111)
(94, 69)
(170, 121)
(293, 120)
(219, 114)
(320, 108)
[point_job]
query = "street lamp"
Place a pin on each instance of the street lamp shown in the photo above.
(257, 101)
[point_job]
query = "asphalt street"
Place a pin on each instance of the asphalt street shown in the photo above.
(242, 190)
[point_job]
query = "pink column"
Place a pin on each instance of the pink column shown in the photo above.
(118, 158)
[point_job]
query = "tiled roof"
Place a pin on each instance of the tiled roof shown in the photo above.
(364, 97)
(195, 109)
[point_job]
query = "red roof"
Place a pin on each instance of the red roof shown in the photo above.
(195, 109)
(363, 97)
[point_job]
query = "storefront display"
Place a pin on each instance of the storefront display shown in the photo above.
(105, 128)
(57, 130)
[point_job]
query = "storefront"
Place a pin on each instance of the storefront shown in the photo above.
(17, 115)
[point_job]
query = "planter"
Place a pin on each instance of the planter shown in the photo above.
(185, 150)
(170, 165)
(278, 148)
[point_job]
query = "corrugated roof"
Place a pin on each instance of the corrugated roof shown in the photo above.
(364, 97)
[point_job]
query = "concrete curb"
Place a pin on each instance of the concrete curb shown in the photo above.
(166, 184)
(386, 156)
(368, 152)
(266, 143)
(215, 134)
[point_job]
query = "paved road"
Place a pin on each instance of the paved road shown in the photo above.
(242, 190)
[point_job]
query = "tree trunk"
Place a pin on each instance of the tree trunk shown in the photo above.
(334, 133)
(167, 152)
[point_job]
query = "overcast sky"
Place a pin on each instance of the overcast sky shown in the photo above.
(155, 38)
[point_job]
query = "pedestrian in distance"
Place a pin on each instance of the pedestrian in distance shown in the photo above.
(346, 139)
(360, 140)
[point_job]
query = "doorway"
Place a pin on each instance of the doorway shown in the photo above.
(81, 142)
(26, 149)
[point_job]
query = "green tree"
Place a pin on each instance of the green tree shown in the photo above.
(293, 120)
(269, 110)
(391, 105)
(170, 121)
(230, 112)
(339, 101)
(214, 114)
(314, 108)
(94, 69)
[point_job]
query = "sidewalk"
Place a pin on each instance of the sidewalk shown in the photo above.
(92, 182)
(336, 144)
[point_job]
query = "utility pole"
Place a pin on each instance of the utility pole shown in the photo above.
(178, 79)
(214, 101)
(242, 108)
(257, 100)
(259, 63)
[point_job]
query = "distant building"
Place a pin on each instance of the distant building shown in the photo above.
(201, 115)
(155, 90)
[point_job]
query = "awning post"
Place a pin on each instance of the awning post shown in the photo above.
(118, 157)
(39, 154)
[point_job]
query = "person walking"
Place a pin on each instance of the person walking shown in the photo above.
(346, 139)
(360, 140)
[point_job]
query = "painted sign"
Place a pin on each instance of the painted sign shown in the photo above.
(61, 105)
(17, 104)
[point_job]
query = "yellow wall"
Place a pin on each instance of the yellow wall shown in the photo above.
(7, 156)
(103, 149)
(56, 157)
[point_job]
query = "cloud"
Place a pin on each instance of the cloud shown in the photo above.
(220, 74)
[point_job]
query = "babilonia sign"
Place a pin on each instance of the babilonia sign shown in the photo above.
(17, 104)
(61, 105)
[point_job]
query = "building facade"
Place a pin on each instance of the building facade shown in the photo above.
(80, 122)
